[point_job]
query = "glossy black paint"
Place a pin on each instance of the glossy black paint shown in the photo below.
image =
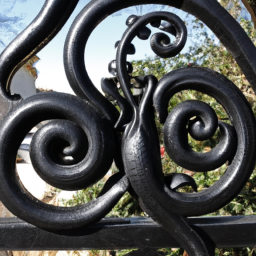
(140, 150)
(88, 128)
(125, 233)
(109, 87)
(93, 166)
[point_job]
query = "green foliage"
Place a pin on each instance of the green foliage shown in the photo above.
(126, 207)
(85, 195)
(172, 252)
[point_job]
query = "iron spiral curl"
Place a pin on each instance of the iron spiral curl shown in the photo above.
(233, 146)
(160, 43)
(201, 128)
(84, 122)
(88, 127)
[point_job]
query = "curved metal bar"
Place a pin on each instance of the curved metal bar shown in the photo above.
(229, 32)
(240, 113)
(143, 167)
(164, 50)
(89, 170)
(211, 13)
(109, 88)
(86, 134)
(201, 128)
(160, 42)
(75, 66)
(37, 35)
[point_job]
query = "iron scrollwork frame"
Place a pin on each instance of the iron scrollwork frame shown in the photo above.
(91, 130)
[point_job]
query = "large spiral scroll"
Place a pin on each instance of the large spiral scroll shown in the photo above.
(89, 130)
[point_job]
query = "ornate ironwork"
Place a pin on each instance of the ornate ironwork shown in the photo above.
(91, 130)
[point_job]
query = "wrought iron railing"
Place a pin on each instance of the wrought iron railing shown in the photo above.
(91, 130)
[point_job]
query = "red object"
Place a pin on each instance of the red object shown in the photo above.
(162, 151)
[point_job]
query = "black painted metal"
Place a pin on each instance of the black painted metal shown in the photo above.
(89, 129)
(128, 233)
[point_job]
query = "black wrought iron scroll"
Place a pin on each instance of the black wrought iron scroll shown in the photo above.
(89, 128)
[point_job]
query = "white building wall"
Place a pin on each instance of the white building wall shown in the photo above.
(23, 83)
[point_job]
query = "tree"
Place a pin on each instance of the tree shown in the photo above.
(9, 25)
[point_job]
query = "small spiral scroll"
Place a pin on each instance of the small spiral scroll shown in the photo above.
(160, 42)
(156, 43)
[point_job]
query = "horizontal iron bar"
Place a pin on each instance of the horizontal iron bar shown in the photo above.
(125, 233)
